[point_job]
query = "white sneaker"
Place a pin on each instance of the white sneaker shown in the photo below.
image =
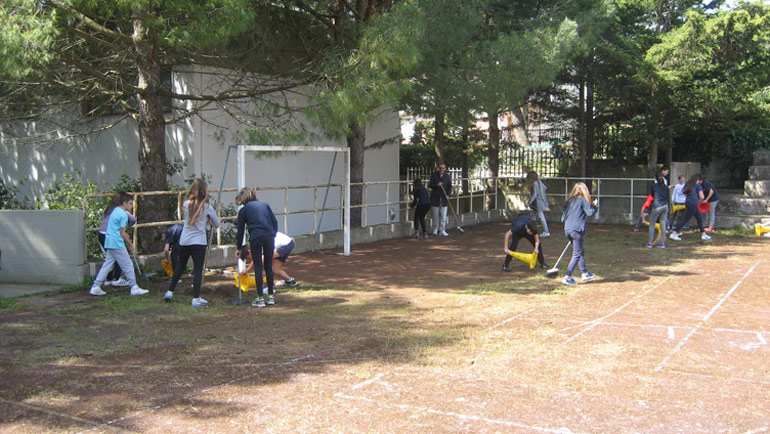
(108, 282)
(435, 232)
(545, 235)
(136, 290)
(444, 234)
(705, 237)
(280, 283)
(120, 282)
(95, 290)
(675, 237)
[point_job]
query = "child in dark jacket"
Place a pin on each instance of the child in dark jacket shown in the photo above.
(423, 201)
(263, 225)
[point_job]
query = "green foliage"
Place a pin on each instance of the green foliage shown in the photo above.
(738, 152)
(8, 196)
(459, 145)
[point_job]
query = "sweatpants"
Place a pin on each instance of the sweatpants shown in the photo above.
(120, 257)
(689, 212)
(659, 215)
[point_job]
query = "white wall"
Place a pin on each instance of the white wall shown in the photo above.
(202, 143)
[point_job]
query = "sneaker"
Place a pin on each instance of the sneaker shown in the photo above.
(444, 234)
(506, 267)
(435, 232)
(705, 237)
(588, 276)
(648, 245)
(417, 235)
(293, 283)
(199, 302)
(544, 266)
(280, 283)
(545, 235)
(95, 290)
(568, 280)
(108, 282)
(136, 290)
(709, 229)
(675, 237)
(120, 282)
(258, 302)
(168, 296)
(661, 245)
(424, 235)
(636, 228)
(270, 299)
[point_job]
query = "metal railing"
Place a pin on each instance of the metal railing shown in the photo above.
(392, 198)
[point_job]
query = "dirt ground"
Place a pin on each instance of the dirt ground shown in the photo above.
(413, 336)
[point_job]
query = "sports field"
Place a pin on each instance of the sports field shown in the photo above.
(413, 336)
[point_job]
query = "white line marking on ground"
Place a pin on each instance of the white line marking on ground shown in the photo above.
(671, 333)
(758, 430)
(368, 382)
(628, 324)
(458, 415)
(705, 318)
(510, 319)
(736, 379)
(761, 338)
(599, 320)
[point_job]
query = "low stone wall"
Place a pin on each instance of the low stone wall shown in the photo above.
(41, 246)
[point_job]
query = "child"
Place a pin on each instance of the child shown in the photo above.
(678, 198)
(284, 245)
(659, 213)
(262, 226)
(170, 236)
(114, 277)
(192, 242)
(579, 206)
(538, 201)
(115, 241)
(712, 197)
(422, 199)
(694, 193)
(522, 227)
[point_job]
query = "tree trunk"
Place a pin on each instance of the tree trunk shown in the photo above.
(438, 144)
(356, 140)
(581, 137)
(589, 117)
(493, 155)
(520, 128)
(152, 146)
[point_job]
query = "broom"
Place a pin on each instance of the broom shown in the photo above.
(555, 270)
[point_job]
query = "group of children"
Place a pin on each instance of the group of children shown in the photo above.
(188, 239)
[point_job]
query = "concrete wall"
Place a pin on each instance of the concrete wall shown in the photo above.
(42, 247)
(202, 142)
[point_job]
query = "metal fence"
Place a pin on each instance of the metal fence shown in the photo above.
(386, 201)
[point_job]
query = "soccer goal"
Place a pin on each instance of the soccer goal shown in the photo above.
(241, 175)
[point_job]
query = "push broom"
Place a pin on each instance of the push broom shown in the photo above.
(555, 270)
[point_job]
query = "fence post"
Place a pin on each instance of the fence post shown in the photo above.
(631, 204)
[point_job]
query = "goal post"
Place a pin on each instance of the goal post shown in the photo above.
(277, 148)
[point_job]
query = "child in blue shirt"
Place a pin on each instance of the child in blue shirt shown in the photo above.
(115, 241)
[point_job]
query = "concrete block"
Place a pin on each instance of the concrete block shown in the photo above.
(756, 188)
(762, 158)
(759, 172)
(743, 205)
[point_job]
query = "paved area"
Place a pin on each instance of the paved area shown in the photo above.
(8, 290)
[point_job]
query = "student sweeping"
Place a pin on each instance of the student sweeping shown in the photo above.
(579, 206)
(262, 225)
(659, 210)
(522, 227)
(117, 245)
(423, 202)
(694, 195)
(197, 214)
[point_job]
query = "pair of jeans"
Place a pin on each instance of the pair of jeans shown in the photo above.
(690, 211)
(659, 215)
(439, 224)
(578, 252)
(713, 213)
(263, 248)
(541, 215)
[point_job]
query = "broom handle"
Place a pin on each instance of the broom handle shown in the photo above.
(562, 253)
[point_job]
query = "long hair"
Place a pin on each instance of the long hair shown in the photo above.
(117, 200)
(246, 195)
(691, 183)
(579, 190)
(660, 179)
(198, 195)
(531, 179)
